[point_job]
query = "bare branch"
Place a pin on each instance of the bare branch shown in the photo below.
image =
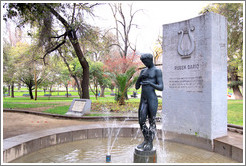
(116, 45)
(58, 16)
(53, 49)
(57, 37)
(74, 6)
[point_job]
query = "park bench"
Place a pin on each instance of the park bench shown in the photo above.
(68, 94)
(134, 95)
(26, 95)
(47, 94)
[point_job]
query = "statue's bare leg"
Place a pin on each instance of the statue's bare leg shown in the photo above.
(142, 115)
(152, 127)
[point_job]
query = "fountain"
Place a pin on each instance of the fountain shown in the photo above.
(90, 144)
(93, 150)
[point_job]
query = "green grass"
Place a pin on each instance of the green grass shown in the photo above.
(58, 110)
(40, 99)
(235, 112)
(24, 105)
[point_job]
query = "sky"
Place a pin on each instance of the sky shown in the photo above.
(151, 19)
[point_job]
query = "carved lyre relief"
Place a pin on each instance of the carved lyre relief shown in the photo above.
(186, 53)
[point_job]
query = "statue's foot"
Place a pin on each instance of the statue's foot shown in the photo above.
(141, 146)
(148, 146)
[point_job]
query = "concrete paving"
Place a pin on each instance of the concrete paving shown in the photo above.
(21, 123)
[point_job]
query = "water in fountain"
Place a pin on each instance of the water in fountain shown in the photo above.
(113, 131)
(160, 144)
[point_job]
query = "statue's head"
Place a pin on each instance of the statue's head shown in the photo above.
(147, 59)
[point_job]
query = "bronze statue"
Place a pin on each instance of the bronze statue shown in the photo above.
(150, 78)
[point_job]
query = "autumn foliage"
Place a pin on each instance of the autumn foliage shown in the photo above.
(123, 73)
(118, 64)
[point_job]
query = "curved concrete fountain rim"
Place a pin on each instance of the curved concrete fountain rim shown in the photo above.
(19, 139)
(17, 146)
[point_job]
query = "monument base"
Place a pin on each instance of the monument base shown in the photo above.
(141, 156)
(73, 113)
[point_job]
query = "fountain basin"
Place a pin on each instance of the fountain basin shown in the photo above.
(21, 145)
(94, 150)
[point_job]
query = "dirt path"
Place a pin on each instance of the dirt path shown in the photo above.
(21, 123)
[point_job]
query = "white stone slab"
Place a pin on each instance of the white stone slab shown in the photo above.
(79, 107)
(195, 87)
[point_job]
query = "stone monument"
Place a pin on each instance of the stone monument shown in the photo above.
(195, 80)
(79, 107)
(150, 79)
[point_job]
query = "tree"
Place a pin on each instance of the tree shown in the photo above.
(8, 66)
(4, 91)
(122, 70)
(157, 52)
(98, 77)
(114, 63)
(234, 14)
(10, 57)
(20, 63)
(72, 65)
(65, 78)
(67, 17)
(123, 26)
(123, 82)
(28, 79)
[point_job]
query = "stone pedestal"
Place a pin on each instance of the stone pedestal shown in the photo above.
(141, 156)
(79, 107)
(195, 77)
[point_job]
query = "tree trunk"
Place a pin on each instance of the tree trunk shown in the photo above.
(96, 89)
(102, 91)
(35, 81)
(19, 86)
(234, 78)
(237, 93)
(127, 95)
(12, 90)
(74, 41)
(9, 90)
(85, 81)
(30, 92)
(66, 89)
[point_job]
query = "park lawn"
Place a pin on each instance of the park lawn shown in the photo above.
(12, 105)
(61, 110)
(40, 99)
(234, 113)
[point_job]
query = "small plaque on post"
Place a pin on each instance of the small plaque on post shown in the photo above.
(79, 107)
